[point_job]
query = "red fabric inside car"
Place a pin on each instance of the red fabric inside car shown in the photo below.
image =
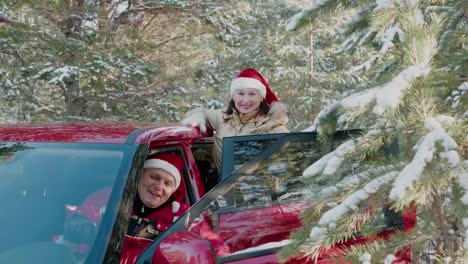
(245, 229)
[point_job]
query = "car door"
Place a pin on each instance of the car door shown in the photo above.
(259, 204)
(249, 216)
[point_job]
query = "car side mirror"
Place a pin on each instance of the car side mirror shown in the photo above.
(184, 247)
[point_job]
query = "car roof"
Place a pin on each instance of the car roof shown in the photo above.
(116, 132)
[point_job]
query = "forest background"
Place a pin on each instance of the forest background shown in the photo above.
(155, 60)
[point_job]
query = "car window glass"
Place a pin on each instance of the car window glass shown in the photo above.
(245, 150)
(240, 149)
(41, 185)
(203, 155)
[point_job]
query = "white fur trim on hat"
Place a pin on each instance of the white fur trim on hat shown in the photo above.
(164, 165)
(243, 82)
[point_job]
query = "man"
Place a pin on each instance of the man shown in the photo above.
(158, 203)
(161, 190)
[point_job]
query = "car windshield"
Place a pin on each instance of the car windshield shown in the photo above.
(42, 186)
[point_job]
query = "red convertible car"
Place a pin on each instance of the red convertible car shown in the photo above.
(251, 206)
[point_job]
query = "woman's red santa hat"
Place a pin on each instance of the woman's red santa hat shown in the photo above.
(171, 163)
(251, 78)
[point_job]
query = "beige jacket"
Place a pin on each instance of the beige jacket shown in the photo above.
(235, 125)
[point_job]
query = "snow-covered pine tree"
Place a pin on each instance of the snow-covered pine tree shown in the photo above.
(418, 98)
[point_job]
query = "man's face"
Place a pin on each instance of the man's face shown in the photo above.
(155, 186)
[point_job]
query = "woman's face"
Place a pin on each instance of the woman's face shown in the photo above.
(246, 100)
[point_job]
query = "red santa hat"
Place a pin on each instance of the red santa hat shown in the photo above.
(251, 78)
(168, 162)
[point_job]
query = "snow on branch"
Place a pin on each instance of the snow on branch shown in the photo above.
(425, 152)
(387, 44)
(123, 10)
(9, 21)
(349, 182)
(322, 114)
(383, 4)
(388, 95)
(60, 74)
(352, 40)
(461, 173)
(329, 164)
(451, 25)
(332, 216)
(298, 18)
(455, 97)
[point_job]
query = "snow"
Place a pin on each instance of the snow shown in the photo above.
(43, 71)
(63, 73)
(386, 96)
(365, 258)
(457, 94)
(318, 233)
(330, 163)
(332, 216)
(383, 4)
(387, 43)
(425, 151)
(90, 24)
(358, 100)
(389, 259)
(121, 7)
(264, 246)
(349, 41)
(317, 166)
(294, 22)
(389, 95)
(453, 20)
(451, 156)
(461, 174)
(346, 183)
(327, 110)
(104, 65)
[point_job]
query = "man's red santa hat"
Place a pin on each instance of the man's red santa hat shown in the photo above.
(251, 78)
(171, 163)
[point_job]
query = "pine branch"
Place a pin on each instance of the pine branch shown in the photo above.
(12, 22)
(450, 29)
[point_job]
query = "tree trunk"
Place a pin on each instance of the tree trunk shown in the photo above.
(74, 100)
(311, 55)
(447, 244)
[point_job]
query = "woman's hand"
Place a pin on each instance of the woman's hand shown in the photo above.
(195, 118)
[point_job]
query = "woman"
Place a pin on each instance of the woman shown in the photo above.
(252, 109)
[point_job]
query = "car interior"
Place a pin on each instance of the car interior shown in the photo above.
(203, 154)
